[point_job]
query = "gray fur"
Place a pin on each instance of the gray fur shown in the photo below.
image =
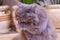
(35, 23)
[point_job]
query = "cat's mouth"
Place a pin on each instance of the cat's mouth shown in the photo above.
(27, 23)
(30, 23)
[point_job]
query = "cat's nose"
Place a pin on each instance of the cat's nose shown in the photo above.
(36, 18)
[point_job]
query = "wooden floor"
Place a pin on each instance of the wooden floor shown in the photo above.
(13, 35)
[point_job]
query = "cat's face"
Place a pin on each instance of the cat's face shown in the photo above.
(27, 16)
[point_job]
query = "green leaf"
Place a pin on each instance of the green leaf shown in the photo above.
(29, 1)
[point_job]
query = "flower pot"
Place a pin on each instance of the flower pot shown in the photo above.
(54, 12)
(4, 19)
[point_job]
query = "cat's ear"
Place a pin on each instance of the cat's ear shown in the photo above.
(33, 7)
(20, 9)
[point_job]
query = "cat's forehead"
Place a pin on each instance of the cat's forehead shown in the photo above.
(24, 8)
(27, 5)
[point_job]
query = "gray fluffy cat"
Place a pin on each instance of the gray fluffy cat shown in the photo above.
(34, 23)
